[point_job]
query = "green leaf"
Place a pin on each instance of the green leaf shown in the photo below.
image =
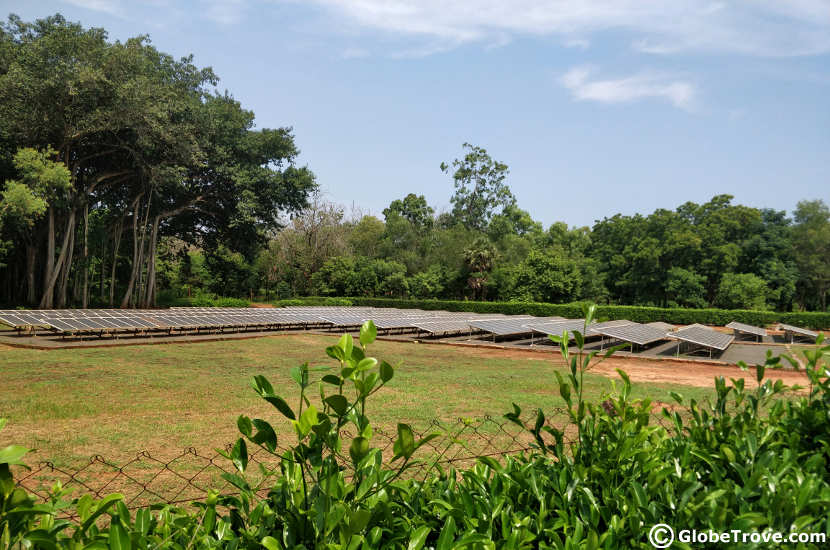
(405, 444)
(386, 371)
(332, 379)
(418, 538)
(271, 543)
(265, 435)
(447, 536)
(368, 333)
(359, 519)
(307, 420)
(101, 507)
(281, 406)
(118, 538)
(262, 385)
(12, 454)
(366, 364)
(244, 424)
(300, 375)
(239, 455)
(346, 344)
(358, 449)
(339, 403)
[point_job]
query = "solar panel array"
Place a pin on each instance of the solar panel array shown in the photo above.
(703, 336)
(435, 323)
(747, 329)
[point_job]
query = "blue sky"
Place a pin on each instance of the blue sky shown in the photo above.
(597, 107)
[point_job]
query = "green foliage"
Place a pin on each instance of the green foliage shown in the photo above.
(200, 299)
(742, 291)
(349, 275)
(480, 191)
(710, 316)
(313, 301)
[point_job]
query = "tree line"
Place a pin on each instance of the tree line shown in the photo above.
(128, 180)
(715, 254)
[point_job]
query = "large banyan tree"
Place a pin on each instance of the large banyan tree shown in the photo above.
(106, 147)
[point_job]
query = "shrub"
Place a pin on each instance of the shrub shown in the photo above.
(313, 301)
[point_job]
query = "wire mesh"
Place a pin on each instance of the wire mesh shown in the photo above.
(147, 480)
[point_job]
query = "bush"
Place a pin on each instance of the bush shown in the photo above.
(639, 314)
(200, 299)
(313, 301)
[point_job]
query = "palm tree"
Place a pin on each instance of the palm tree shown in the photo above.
(479, 259)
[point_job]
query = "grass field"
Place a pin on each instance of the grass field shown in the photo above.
(71, 404)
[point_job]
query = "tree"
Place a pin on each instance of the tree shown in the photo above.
(811, 241)
(480, 190)
(547, 276)
(146, 144)
(479, 258)
(25, 200)
(742, 291)
(685, 288)
(413, 208)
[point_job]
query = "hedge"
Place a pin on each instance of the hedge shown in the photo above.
(640, 314)
(313, 301)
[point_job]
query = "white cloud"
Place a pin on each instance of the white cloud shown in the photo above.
(585, 87)
(354, 53)
(753, 27)
(225, 12)
(578, 43)
(112, 7)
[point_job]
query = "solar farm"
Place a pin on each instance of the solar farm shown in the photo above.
(85, 327)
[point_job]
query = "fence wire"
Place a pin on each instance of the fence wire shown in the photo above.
(147, 480)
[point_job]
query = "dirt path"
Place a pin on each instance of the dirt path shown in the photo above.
(663, 371)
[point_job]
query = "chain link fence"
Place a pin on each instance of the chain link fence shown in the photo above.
(147, 480)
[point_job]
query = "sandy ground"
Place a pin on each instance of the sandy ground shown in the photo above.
(661, 371)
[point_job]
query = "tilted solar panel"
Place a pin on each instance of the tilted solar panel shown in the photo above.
(633, 333)
(703, 336)
(665, 327)
(504, 326)
(798, 330)
(556, 328)
(748, 329)
(443, 326)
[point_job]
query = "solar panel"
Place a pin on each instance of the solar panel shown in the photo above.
(633, 332)
(608, 324)
(748, 329)
(665, 327)
(503, 327)
(11, 320)
(443, 326)
(798, 330)
(343, 320)
(703, 336)
(556, 328)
